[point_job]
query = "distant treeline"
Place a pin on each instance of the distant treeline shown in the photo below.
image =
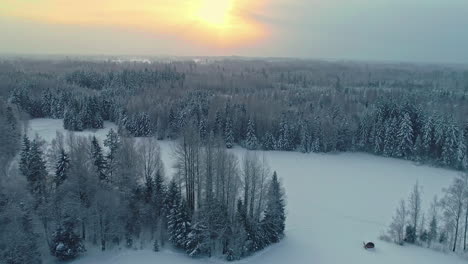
(415, 112)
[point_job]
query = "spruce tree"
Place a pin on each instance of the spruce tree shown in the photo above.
(268, 141)
(273, 223)
(449, 149)
(202, 130)
(405, 137)
(390, 140)
(306, 140)
(251, 138)
(432, 234)
(178, 222)
(98, 159)
(61, 168)
(159, 193)
(284, 138)
(36, 174)
(229, 134)
(24, 156)
(112, 142)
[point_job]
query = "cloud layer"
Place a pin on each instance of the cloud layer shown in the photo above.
(401, 30)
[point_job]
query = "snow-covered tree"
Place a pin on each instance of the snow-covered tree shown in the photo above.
(414, 209)
(178, 222)
(462, 159)
(397, 227)
(449, 149)
(98, 159)
(273, 222)
(112, 142)
(405, 137)
(453, 205)
(268, 141)
(251, 141)
(62, 167)
(229, 134)
(66, 244)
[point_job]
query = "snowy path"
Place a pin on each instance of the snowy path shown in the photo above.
(335, 201)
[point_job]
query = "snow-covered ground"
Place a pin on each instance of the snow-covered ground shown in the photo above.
(47, 129)
(334, 203)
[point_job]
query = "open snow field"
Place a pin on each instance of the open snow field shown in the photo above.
(334, 203)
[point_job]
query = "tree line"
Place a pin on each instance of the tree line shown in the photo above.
(80, 192)
(415, 112)
(443, 227)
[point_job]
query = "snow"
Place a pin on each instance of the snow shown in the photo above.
(334, 203)
(46, 128)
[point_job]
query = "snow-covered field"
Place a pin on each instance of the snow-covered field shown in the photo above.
(334, 203)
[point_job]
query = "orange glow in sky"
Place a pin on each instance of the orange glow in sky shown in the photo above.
(217, 23)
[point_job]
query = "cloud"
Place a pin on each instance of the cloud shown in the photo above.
(417, 30)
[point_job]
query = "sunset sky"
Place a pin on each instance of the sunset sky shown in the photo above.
(398, 30)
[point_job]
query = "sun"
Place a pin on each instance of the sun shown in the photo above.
(215, 13)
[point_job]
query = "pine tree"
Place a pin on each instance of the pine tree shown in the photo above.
(36, 174)
(405, 137)
(112, 142)
(61, 168)
(274, 219)
(391, 126)
(251, 138)
(284, 140)
(98, 121)
(98, 159)
(449, 149)
(202, 130)
(428, 137)
(178, 223)
(229, 134)
(418, 149)
(219, 124)
(306, 140)
(159, 194)
(268, 141)
(198, 239)
(24, 156)
(378, 139)
(432, 234)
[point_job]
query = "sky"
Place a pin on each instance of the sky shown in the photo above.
(376, 30)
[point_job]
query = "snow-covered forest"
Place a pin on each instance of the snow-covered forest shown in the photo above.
(415, 112)
(66, 194)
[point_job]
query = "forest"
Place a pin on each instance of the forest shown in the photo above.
(78, 192)
(414, 112)
(81, 192)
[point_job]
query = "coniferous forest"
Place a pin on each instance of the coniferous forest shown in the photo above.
(414, 112)
(81, 192)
